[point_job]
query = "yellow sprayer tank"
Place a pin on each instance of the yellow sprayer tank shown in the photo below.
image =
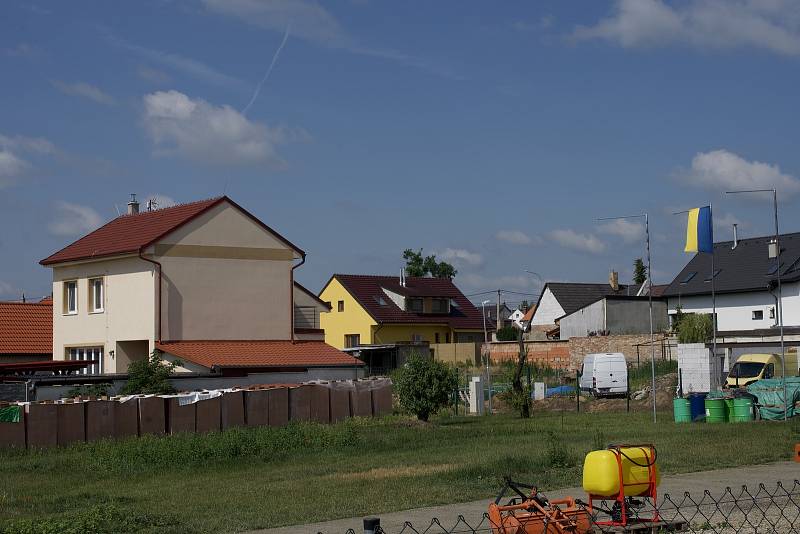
(601, 472)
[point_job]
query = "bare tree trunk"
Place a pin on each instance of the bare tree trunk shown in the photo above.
(516, 384)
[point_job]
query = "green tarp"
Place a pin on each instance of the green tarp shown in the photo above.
(10, 414)
(770, 397)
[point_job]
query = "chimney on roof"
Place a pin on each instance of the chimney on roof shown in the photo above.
(403, 277)
(735, 236)
(613, 280)
(133, 205)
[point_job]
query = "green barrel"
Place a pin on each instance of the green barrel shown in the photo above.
(729, 410)
(742, 410)
(715, 411)
(683, 412)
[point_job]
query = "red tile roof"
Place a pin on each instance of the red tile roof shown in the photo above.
(259, 353)
(128, 234)
(26, 328)
(368, 291)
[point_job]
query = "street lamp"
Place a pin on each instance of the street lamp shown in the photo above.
(780, 291)
(486, 340)
(485, 334)
(649, 298)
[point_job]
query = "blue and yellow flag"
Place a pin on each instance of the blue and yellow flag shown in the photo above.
(699, 231)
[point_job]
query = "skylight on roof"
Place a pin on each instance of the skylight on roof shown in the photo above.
(773, 267)
(688, 277)
(716, 273)
(380, 300)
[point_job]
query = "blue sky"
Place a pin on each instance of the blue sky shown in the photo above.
(490, 134)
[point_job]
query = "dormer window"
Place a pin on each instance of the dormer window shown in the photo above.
(440, 305)
(414, 305)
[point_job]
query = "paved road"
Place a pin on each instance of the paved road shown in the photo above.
(675, 485)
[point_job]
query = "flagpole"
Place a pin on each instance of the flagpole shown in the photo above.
(713, 294)
(650, 305)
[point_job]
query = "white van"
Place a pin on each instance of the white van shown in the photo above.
(605, 374)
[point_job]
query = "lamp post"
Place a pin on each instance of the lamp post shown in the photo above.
(485, 334)
(649, 299)
(780, 290)
(486, 340)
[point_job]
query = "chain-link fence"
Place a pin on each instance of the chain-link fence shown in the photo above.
(752, 510)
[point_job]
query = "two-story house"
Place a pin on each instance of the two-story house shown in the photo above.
(206, 282)
(374, 310)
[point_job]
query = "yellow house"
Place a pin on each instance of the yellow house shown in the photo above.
(381, 310)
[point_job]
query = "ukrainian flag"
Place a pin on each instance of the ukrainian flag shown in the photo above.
(699, 231)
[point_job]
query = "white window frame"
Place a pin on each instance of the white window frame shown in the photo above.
(67, 285)
(754, 314)
(87, 353)
(93, 295)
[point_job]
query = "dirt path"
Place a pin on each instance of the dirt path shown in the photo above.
(675, 486)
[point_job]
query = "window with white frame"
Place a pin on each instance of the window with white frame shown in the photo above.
(83, 354)
(71, 297)
(96, 295)
(758, 315)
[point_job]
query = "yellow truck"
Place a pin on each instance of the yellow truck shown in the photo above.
(751, 367)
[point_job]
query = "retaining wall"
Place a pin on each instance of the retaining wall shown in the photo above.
(61, 423)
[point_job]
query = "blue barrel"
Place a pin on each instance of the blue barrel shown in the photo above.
(697, 406)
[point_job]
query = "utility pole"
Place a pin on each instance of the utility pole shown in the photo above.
(499, 320)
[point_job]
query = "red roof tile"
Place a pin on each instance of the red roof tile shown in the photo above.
(368, 291)
(259, 353)
(26, 328)
(129, 233)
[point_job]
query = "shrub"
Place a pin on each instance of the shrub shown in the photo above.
(507, 333)
(89, 390)
(695, 328)
(424, 386)
(150, 376)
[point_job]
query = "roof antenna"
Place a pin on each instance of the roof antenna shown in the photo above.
(735, 236)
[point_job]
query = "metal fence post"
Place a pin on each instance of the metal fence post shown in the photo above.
(578, 389)
(371, 524)
(628, 392)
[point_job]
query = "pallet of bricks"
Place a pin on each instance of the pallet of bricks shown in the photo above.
(59, 423)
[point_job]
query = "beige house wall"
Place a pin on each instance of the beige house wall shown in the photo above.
(225, 277)
(129, 308)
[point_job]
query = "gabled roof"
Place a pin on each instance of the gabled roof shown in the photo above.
(529, 314)
(308, 292)
(237, 354)
(26, 328)
(368, 290)
(574, 296)
(128, 234)
(745, 268)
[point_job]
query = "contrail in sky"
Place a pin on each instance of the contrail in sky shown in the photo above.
(269, 70)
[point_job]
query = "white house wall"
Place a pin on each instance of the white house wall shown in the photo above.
(129, 307)
(548, 310)
(734, 310)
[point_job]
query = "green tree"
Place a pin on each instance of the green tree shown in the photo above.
(424, 385)
(419, 265)
(695, 328)
(639, 271)
(507, 333)
(150, 376)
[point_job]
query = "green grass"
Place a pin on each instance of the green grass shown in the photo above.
(260, 478)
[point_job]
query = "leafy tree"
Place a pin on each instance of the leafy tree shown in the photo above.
(150, 376)
(695, 328)
(521, 396)
(424, 385)
(507, 333)
(639, 271)
(89, 390)
(419, 265)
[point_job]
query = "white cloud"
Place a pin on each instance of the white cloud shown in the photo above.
(724, 170)
(84, 90)
(12, 166)
(460, 255)
(152, 75)
(708, 24)
(580, 242)
(629, 231)
(73, 220)
(515, 237)
(477, 282)
(186, 65)
(200, 131)
(308, 19)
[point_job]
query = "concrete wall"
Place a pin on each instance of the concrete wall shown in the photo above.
(698, 370)
(626, 344)
(734, 311)
(129, 308)
(633, 316)
(457, 353)
(591, 318)
(225, 277)
(547, 310)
